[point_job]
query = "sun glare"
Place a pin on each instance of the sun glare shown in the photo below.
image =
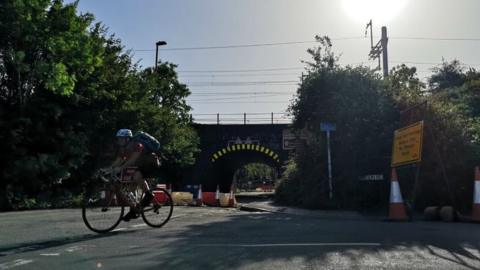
(380, 11)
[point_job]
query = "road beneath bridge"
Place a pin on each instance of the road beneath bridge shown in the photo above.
(214, 238)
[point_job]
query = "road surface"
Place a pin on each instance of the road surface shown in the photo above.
(214, 238)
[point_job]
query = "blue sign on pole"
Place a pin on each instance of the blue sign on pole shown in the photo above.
(328, 126)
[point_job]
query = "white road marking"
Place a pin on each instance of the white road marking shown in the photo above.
(49, 254)
(73, 249)
(138, 225)
(19, 250)
(291, 245)
(179, 215)
(78, 248)
(19, 262)
(119, 229)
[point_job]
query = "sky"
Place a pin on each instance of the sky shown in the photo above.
(264, 79)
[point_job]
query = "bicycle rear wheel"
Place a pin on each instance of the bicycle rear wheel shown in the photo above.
(102, 210)
(158, 212)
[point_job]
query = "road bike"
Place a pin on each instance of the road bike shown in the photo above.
(107, 195)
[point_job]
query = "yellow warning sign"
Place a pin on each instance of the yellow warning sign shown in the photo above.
(407, 145)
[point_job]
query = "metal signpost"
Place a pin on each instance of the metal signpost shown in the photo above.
(328, 127)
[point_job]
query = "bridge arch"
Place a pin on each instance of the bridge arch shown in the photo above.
(227, 148)
(245, 147)
(226, 161)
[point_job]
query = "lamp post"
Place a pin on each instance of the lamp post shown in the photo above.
(158, 44)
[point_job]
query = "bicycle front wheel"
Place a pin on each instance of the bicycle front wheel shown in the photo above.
(158, 212)
(102, 210)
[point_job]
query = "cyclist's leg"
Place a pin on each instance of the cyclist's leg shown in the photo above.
(134, 206)
(143, 184)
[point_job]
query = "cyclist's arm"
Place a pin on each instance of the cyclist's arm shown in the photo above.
(118, 161)
(131, 161)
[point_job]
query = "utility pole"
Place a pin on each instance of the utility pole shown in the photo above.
(384, 41)
(379, 49)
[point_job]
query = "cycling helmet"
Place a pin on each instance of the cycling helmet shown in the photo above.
(124, 133)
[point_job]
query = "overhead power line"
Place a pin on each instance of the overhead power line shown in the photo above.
(431, 63)
(238, 75)
(204, 73)
(235, 46)
(240, 93)
(249, 102)
(240, 70)
(250, 113)
(237, 98)
(240, 82)
(435, 38)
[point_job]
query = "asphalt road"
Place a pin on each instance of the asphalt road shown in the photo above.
(214, 238)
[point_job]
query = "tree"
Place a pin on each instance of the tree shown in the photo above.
(449, 74)
(404, 84)
(44, 50)
(65, 88)
(354, 99)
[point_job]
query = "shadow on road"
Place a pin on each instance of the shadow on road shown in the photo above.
(40, 245)
(276, 239)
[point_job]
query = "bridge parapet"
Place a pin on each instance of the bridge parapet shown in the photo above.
(241, 118)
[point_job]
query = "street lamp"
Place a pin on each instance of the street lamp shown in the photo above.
(159, 43)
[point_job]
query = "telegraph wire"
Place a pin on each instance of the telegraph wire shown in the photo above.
(240, 70)
(236, 46)
(237, 98)
(245, 102)
(436, 38)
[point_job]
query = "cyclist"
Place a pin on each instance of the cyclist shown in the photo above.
(133, 154)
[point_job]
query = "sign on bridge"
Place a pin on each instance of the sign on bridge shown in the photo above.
(292, 141)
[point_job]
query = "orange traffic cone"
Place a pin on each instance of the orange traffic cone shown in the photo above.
(217, 193)
(397, 207)
(476, 196)
(232, 201)
(199, 196)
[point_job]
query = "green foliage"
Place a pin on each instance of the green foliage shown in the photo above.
(255, 173)
(353, 98)
(366, 110)
(65, 88)
(446, 76)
